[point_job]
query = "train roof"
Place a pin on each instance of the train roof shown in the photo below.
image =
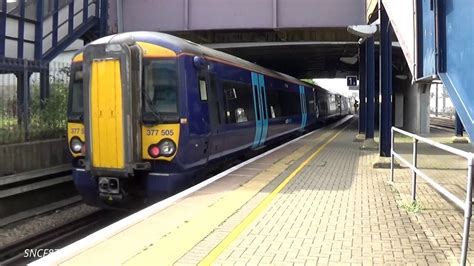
(179, 45)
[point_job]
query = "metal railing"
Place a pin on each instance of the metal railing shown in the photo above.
(46, 115)
(465, 205)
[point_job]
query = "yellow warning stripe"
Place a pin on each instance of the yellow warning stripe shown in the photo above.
(235, 233)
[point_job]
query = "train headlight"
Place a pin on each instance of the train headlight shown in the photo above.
(76, 145)
(167, 147)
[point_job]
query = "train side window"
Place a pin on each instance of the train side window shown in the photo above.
(272, 111)
(203, 89)
(289, 102)
(273, 103)
(238, 102)
(240, 115)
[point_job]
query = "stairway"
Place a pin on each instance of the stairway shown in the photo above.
(38, 30)
(436, 37)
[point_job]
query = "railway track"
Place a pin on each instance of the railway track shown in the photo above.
(442, 122)
(40, 244)
(52, 189)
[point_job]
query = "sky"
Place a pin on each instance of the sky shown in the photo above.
(336, 86)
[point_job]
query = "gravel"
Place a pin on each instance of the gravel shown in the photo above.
(31, 226)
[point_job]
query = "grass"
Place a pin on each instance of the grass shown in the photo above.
(412, 207)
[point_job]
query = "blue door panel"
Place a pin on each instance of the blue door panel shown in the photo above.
(264, 108)
(304, 114)
(256, 104)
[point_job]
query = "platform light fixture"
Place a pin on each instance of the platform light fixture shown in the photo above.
(349, 60)
(364, 31)
(401, 76)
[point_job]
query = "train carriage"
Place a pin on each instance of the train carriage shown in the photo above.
(148, 111)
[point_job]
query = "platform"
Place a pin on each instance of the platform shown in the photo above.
(316, 200)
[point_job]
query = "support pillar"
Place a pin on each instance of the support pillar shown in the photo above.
(459, 127)
(385, 83)
(103, 17)
(362, 82)
(459, 131)
(416, 107)
(370, 68)
(369, 142)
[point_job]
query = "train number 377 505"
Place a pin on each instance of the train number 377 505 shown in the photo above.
(163, 132)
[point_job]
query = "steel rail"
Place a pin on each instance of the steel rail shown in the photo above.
(14, 253)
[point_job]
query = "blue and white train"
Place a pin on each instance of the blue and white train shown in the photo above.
(148, 112)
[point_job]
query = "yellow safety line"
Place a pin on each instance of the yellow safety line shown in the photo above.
(212, 256)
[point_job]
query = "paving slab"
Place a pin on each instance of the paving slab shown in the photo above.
(340, 210)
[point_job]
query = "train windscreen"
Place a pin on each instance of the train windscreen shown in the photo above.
(76, 99)
(160, 85)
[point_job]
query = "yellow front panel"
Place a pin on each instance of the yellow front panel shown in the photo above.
(106, 114)
(75, 130)
(154, 134)
(78, 58)
(152, 50)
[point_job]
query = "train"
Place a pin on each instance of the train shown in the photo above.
(149, 113)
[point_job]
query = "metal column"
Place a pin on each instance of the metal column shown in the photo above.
(39, 30)
(44, 85)
(103, 17)
(459, 127)
(3, 26)
(23, 100)
(436, 102)
(21, 29)
(467, 213)
(385, 82)
(362, 89)
(370, 85)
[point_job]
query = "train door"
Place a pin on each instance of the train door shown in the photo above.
(315, 104)
(112, 79)
(208, 92)
(340, 104)
(261, 110)
(304, 110)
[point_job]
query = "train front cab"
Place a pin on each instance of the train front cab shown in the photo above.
(122, 119)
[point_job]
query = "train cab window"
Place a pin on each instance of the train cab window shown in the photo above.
(160, 85)
(76, 98)
(238, 100)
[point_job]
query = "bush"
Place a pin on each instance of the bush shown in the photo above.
(47, 117)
